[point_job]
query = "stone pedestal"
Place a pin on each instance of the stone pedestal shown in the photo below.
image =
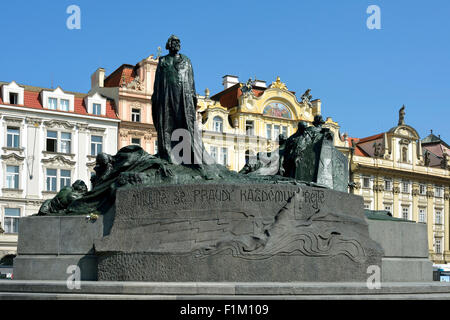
(47, 246)
(405, 247)
(237, 232)
(223, 232)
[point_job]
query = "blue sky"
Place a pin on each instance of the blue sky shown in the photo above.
(362, 76)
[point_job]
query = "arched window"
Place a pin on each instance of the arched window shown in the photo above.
(218, 124)
(405, 154)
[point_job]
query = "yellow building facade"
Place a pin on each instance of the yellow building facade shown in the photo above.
(392, 171)
(245, 119)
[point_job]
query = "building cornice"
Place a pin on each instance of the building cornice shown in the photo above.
(399, 172)
(53, 113)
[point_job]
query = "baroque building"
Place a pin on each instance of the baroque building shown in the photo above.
(49, 138)
(409, 177)
(131, 88)
(247, 118)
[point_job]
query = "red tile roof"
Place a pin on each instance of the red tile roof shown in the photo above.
(374, 137)
(125, 71)
(229, 97)
(359, 151)
(32, 100)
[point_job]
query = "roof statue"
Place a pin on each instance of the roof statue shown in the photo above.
(247, 87)
(306, 97)
(278, 84)
(401, 116)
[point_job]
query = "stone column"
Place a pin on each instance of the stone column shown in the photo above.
(395, 203)
(446, 224)
(415, 202)
(379, 193)
(430, 211)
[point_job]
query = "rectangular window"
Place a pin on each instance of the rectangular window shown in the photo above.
(64, 179)
(136, 115)
(388, 207)
(64, 104)
(52, 141)
(269, 131)
(96, 145)
(438, 192)
(155, 147)
(422, 215)
(12, 177)
(366, 182)
(224, 156)
(214, 153)
(12, 216)
(12, 137)
(66, 139)
(367, 205)
(438, 245)
(438, 217)
(276, 132)
(249, 128)
(96, 109)
(284, 131)
(13, 98)
(405, 213)
(388, 185)
(218, 124)
(422, 189)
(405, 187)
(136, 141)
(52, 103)
(51, 180)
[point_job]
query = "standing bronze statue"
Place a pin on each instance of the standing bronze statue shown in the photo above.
(174, 102)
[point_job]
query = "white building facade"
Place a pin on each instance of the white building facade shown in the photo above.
(48, 140)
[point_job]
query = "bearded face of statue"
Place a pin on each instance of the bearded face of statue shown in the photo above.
(80, 186)
(173, 45)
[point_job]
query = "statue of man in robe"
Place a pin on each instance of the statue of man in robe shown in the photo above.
(174, 103)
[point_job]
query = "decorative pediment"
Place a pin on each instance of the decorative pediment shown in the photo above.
(59, 124)
(12, 157)
(91, 165)
(96, 129)
(13, 120)
(59, 160)
(33, 121)
(405, 131)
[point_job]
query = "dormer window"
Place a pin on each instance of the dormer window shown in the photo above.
(12, 93)
(64, 103)
(58, 100)
(95, 104)
(13, 98)
(96, 109)
(52, 103)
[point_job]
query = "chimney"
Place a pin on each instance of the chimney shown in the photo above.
(98, 78)
(260, 83)
(229, 81)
